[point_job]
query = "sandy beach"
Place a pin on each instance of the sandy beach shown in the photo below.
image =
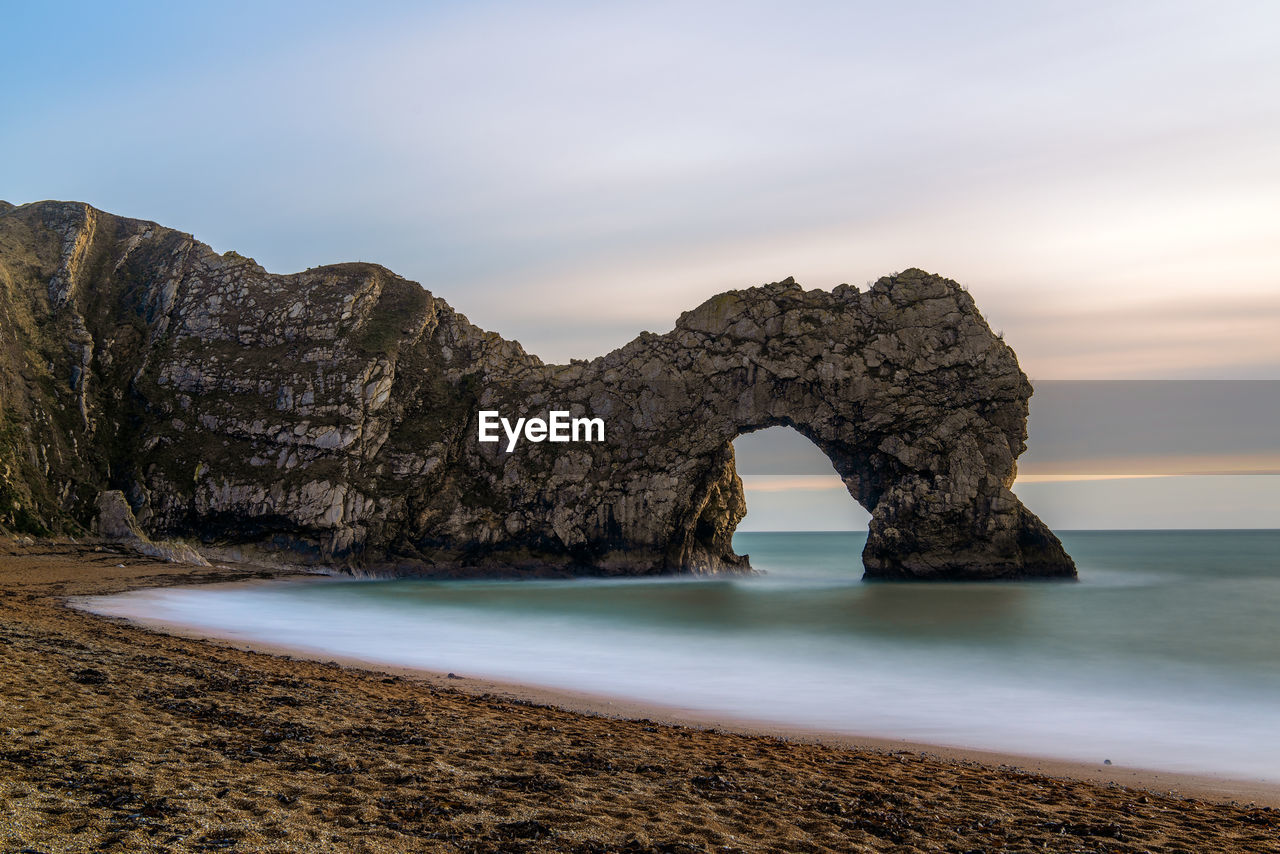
(124, 738)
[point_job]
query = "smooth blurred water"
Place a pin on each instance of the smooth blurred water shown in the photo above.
(1165, 655)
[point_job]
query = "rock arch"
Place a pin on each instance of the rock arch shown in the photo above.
(333, 413)
(919, 407)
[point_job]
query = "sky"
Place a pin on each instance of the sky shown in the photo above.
(1129, 454)
(1103, 177)
(790, 486)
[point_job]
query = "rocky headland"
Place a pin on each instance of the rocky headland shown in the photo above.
(332, 415)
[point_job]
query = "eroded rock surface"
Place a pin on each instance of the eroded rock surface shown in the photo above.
(333, 413)
(116, 523)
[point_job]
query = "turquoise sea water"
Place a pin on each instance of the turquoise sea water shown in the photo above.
(1165, 655)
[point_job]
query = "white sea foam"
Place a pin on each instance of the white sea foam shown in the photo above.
(1162, 657)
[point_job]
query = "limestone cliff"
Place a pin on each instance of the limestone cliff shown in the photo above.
(333, 413)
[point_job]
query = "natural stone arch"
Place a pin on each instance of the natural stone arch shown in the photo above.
(333, 413)
(919, 407)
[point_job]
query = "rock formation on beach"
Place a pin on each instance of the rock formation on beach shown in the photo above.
(116, 523)
(332, 414)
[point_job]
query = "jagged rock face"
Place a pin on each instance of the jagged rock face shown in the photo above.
(116, 523)
(333, 413)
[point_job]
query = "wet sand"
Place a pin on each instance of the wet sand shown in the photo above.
(117, 737)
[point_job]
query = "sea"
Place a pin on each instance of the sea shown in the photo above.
(1165, 655)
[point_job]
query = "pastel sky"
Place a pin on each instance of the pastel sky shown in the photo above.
(812, 501)
(1103, 176)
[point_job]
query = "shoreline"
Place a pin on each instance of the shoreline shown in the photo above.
(1206, 786)
(125, 738)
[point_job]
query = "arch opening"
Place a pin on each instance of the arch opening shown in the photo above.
(791, 485)
(787, 478)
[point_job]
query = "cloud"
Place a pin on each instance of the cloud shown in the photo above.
(756, 483)
(1073, 478)
(557, 168)
(1206, 501)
